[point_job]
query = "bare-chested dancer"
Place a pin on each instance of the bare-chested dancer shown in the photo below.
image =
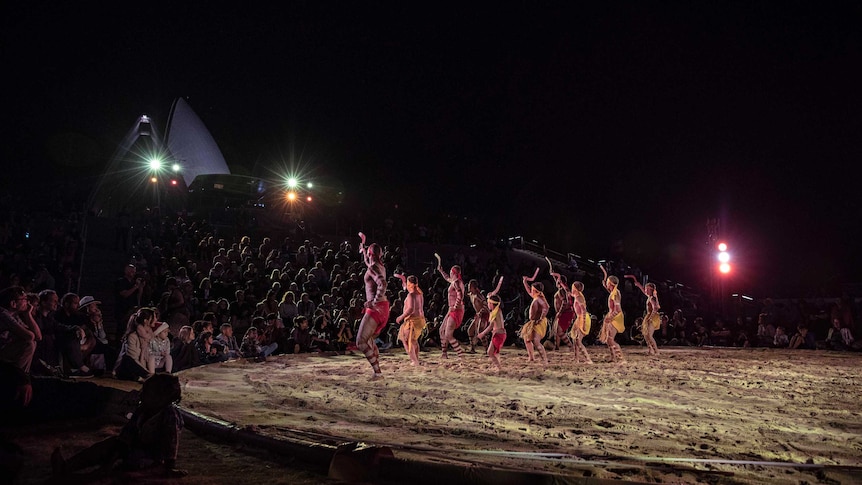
(498, 326)
(455, 315)
(614, 321)
(582, 323)
(480, 305)
(376, 305)
(565, 313)
(413, 317)
(535, 328)
(652, 320)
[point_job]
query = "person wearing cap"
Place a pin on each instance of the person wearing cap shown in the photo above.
(96, 339)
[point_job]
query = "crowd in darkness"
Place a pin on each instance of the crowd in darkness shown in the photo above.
(189, 294)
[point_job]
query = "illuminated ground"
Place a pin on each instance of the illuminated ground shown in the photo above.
(753, 405)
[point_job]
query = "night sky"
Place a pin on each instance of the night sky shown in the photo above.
(575, 125)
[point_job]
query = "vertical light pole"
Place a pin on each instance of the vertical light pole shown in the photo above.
(724, 268)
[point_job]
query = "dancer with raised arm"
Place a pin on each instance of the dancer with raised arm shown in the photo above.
(455, 315)
(535, 328)
(652, 320)
(376, 305)
(614, 321)
(582, 323)
(480, 305)
(412, 320)
(564, 314)
(498, 326)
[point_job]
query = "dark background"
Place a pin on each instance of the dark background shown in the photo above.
(578, 126)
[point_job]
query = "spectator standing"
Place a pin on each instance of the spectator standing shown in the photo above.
(127, 294)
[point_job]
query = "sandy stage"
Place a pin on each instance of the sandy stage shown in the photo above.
(752, 405)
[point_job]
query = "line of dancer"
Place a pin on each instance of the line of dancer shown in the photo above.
(572, 322)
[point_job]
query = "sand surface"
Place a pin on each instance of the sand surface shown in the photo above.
(753, 405)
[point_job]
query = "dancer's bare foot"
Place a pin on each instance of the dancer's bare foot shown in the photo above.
(378, 376)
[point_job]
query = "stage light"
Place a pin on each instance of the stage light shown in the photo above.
(308, 198)
(173, 182)
(724, 257)
(724, 268)
(722, 247)
(291, 196)
(155, 164)
(175, 167)
(291, 182)
(309, 185)
(154, 180)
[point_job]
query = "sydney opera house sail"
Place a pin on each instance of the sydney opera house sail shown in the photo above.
(140, 174)
(191, 144)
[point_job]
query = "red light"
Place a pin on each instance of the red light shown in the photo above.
(173, 182)
(724, 268)
(308, 198)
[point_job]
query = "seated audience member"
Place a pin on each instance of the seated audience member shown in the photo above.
(781, 340)
(20, 332)
(134, 360)
(72, 340)
(344, 337)
(150, 440)
(228, 340)
(208, 353)
(699, 335)
(839, 338)
(803, 339)
(160, 350)
(97, 340)
(322, 335)
(272, 331)
(251, 348)
(300, 340)
(183, 352)
(46, 361)
(765, 331)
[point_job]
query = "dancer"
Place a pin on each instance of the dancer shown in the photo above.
(497, 326)
(480, 305)
(614, 321)
(564, 314)
(413, 317)
(652, 320)
(376, 305)
(455, 316)
(535, 328)
(582, 323)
